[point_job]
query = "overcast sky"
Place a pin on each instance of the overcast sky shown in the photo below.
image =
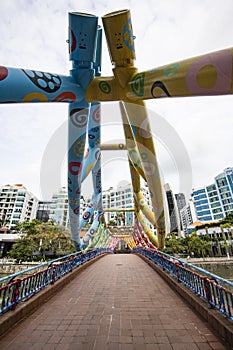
(33, 35)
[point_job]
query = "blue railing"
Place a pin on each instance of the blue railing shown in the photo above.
(20, 286)
(207, 286)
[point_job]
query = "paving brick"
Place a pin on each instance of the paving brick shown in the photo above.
(216, 346)
(203, 346)
(187, 346)
(152, 347)
(118, 303)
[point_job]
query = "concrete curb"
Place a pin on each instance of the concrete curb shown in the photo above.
(222, 327)
(24, 309)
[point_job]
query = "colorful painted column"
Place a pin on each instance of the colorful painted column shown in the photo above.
(82, 49)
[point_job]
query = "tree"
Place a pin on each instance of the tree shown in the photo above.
(120, 218)
(40, 240)
(23, 249)
(112, 223)
(28, 227)
(174, 245)
(197, 245)
(227, 220)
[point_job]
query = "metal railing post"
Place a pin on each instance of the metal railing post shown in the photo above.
(15, 294)
(177, 272)
(207, 291)
(53, 274)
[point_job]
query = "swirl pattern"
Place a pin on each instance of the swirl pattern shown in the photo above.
(78, 117)
(105, 87)
(96, 114)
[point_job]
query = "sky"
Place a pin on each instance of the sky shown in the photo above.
(33, 137)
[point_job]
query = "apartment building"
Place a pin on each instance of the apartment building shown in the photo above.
(188, 216)
(121, 197)
(43, 211)
(58, 208)
(215, 201)
(17, 204)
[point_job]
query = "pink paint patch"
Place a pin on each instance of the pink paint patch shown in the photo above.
(73, 42)
(222, 62)
(3, 73)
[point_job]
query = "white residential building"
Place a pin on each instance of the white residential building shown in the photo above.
(58, 208)
(122, 197)
(188, 216)
(17, 204)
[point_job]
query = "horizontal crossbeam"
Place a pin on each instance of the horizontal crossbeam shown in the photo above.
(118, 209)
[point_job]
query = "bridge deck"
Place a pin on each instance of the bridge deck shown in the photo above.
(119, 302)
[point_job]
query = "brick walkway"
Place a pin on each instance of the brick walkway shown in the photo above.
(119, 302)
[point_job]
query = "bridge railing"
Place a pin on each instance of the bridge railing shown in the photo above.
(216, 291)
(22, 285)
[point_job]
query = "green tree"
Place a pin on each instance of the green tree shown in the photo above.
(200, 247)
(112, 223)
(40, 240)
(174, 245)
(28, 227)
(227, 220)
(120, 218)
(23, 249)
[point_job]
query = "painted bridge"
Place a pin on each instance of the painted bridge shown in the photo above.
(119, 302)
(116, 301)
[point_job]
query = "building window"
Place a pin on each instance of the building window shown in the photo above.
(211, 188)
(221, 182)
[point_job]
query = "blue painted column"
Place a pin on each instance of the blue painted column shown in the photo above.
(82, 49)
(94, 161)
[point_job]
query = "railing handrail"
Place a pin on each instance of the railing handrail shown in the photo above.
(205, 286)
(185, 263)
(17, 290)
(47, 263)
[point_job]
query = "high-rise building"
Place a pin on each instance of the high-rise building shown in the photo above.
(180, 199)
(43, 211)
(17, 204)
(58, 209)
(122, 197)
(173, 213)
(181, 203)
(188, 216)
(224, 185)
(215, 201)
